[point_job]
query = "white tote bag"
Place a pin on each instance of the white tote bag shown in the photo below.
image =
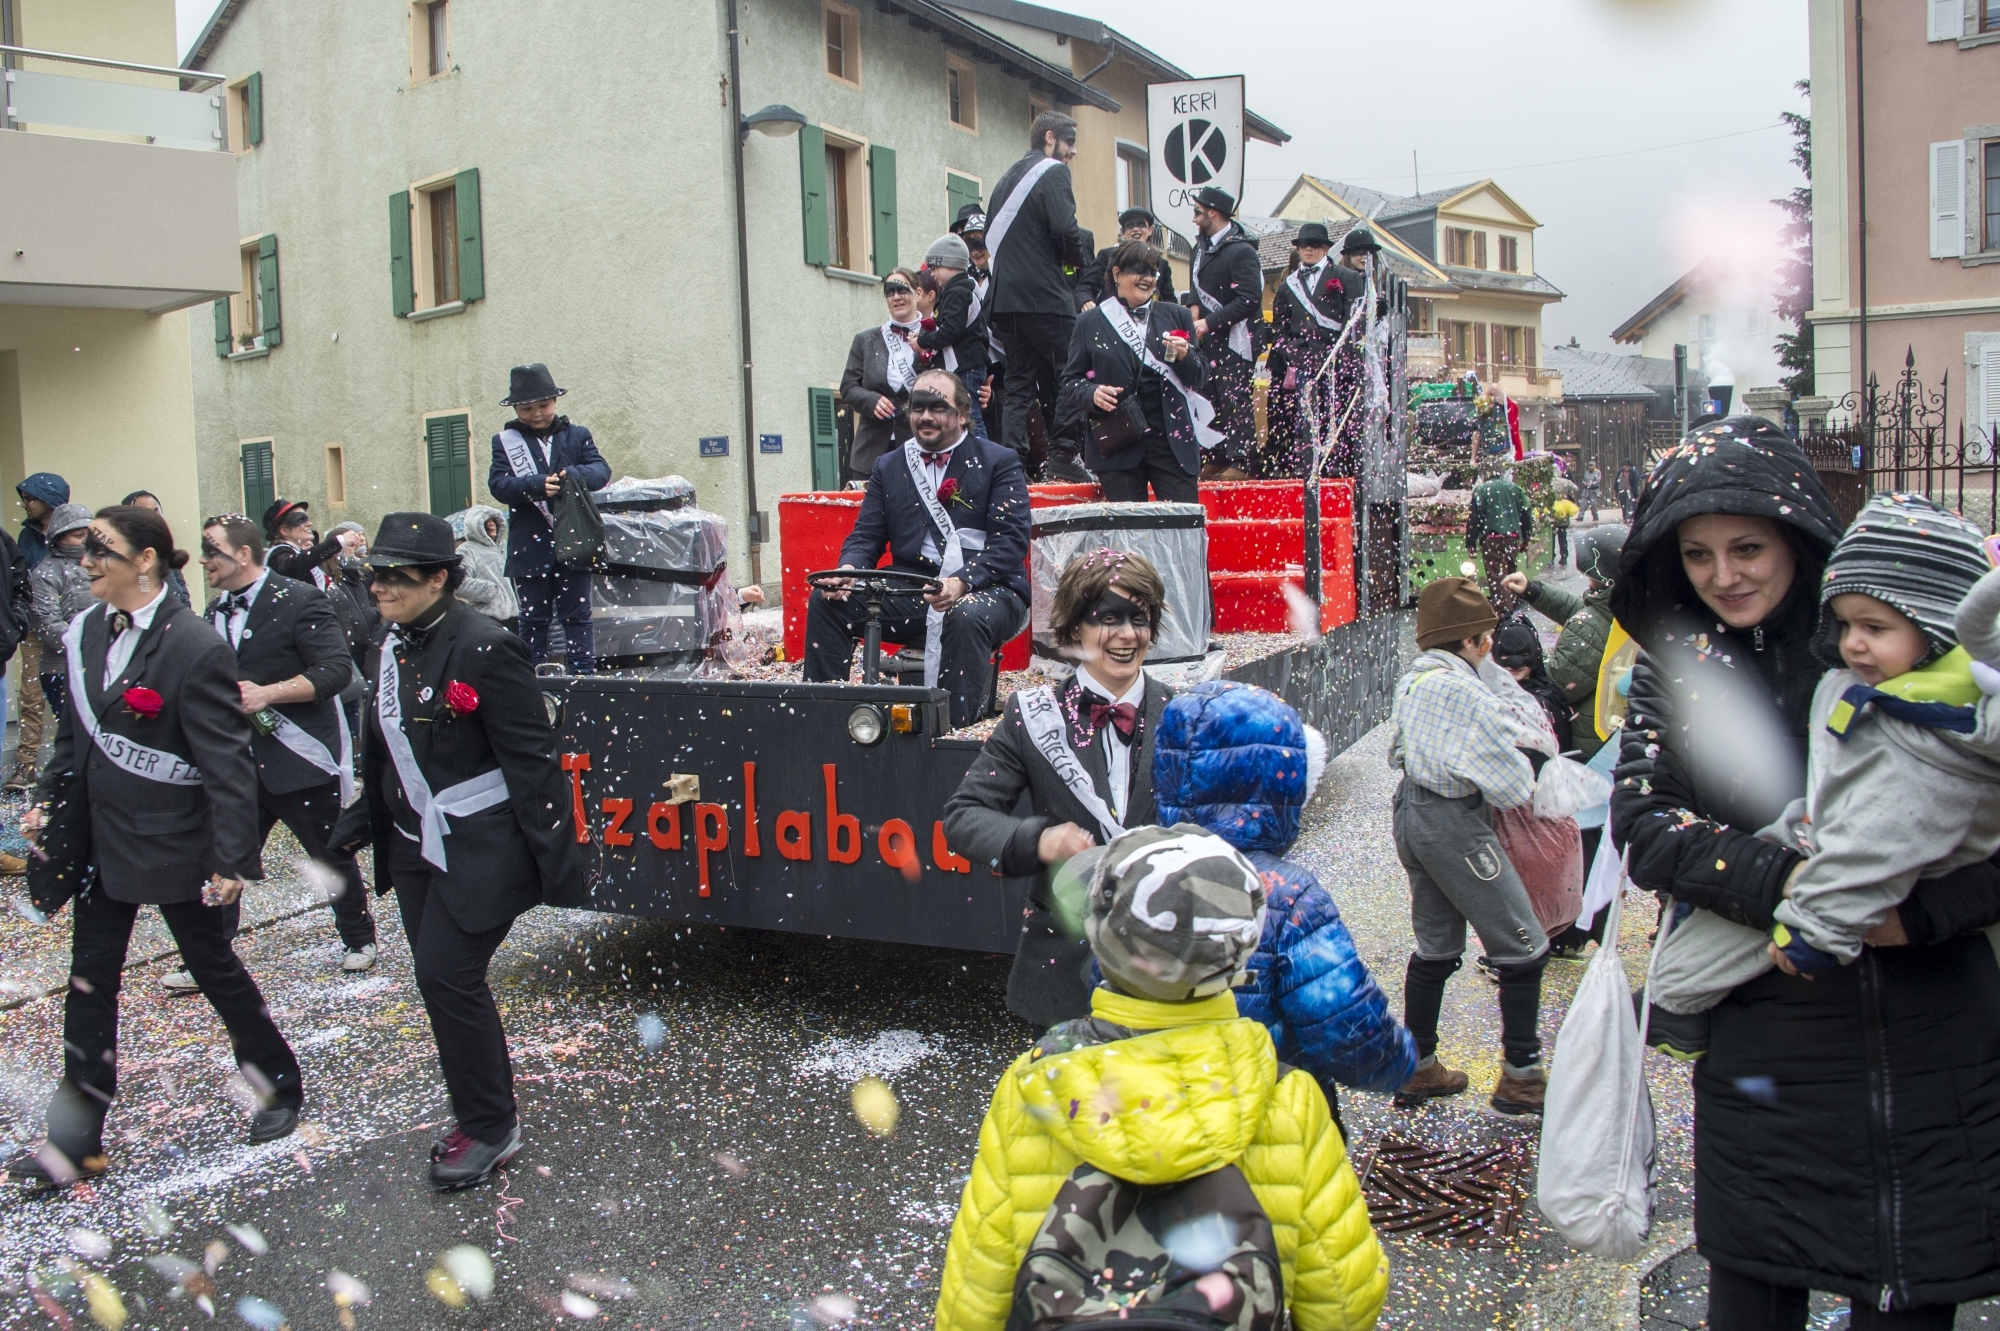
(1594, 1180)
(1605, 880)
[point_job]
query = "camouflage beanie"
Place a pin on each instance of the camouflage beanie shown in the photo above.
(1174, 913)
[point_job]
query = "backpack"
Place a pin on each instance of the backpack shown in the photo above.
(1193, 1254)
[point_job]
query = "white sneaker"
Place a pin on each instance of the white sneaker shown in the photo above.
(179, 982)
(359, 959)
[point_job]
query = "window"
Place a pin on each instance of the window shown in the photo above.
(822, 417)
(1704, 327)
(1458, 347)
(958, 191)
(1465, 249)
(1990, 163)
(961, 88)
(1510, 254)
(848, 201)
(1135, 177)
(251, 320)
(839, 214)
(436, 244)
(1506, 345)
(260, 485)
(1989, 16)
(246, 113)
(448, 460)
(843, 42)
(336, 476)
(430, 39)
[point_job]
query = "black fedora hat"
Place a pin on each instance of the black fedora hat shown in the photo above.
(1208, 196)
(1359, 239)
(1312, 233)
(530, 383)
(407, 539)
(971, 217)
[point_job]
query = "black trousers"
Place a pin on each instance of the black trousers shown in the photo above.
(1745, 1303)
(100, 934)
(1037, 347)
(974, 628)
(1228, 387)
(1171, 482)
(1520, 1005)
(310, 814)
(450, 966)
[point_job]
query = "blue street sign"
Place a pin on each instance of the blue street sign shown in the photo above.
(770, 443)
(715, 446)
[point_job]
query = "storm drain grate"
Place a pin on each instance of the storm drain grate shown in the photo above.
(1466, 1198)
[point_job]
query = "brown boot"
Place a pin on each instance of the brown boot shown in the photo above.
(1519, 1095)
(1431, 1078)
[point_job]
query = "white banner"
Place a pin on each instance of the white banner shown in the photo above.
(1194, 134)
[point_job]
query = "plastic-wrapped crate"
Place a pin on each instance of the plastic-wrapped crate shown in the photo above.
(1172, 537)
(664, 599)
(634, 492)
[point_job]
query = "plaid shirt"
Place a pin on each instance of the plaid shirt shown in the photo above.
(1452, 736)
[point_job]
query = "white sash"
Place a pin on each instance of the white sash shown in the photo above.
(1239, 336)
(902, 360)
(294, 737)
(1299, 290)
(956, 543)
(522, 461)
(459, 801)
(999, 223)
(980, 286)
(169, 769)
(1200, 410)
(1042, 716)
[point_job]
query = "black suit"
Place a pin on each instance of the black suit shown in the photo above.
(994, 491)
(158, 843)
(1299, 347)
(499, 862)
(1229, 272)
(291, 630)
(287, 559)
(1047, 984)
(1033, 297)
(863, 383)
(1170, 455)
(1093, 281)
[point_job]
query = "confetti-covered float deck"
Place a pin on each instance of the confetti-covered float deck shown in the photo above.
(818, 808)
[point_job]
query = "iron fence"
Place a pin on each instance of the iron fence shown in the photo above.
(1877, 440)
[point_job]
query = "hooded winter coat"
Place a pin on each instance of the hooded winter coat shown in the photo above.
(1234, 759)
(59, 586)
(1196, 1087)
(486, 587)
(1847, 1128)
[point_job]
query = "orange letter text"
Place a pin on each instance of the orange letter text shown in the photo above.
(795, 835)
(668, 838)
(576, 764)
(840, 826)
(711, 832)
(619, 810)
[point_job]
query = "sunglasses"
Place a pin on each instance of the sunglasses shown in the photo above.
(895, 289)
(95, 548)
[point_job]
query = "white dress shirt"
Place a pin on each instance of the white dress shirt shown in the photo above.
(118, 654)
(936, 464)
(1117, 752)
(241, 614)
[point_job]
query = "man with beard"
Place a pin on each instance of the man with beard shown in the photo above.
(1226, 292)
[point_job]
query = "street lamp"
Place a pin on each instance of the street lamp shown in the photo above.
(777, 120)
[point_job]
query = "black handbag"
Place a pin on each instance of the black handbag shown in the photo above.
(59, 863)
(1123, 424)
(579, 527)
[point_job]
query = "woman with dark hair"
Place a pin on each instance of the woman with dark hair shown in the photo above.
(176, 580)
(153, 756)
(1099, 728)
(463, 802)
(1847, 1125)
(881, 367)
(1132, 374)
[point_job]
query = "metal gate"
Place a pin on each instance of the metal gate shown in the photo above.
(1880, 440)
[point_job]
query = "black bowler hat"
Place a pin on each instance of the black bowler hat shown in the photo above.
(530, 383)
(971, 217)
(1136, 216)
(279, 511)
(1312, 233)
(1208, 196)
(414, 539)
(1359, 239)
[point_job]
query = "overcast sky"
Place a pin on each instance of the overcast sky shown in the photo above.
(1517, 90)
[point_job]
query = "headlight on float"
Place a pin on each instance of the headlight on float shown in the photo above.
(864, 725)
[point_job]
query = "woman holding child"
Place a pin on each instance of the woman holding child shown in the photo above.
(1847, 1122)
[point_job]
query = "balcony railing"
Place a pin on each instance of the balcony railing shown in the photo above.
(166, 116)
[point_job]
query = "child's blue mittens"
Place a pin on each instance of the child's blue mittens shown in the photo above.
(1808, 959)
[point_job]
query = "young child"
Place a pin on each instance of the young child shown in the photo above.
(1517, 649)
(1903, 772)
(1162, 1084)
(1238, 761)
(1460, 757)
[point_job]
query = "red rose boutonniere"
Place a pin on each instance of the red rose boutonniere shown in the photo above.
(143, 701)
(947, 493)
(927, 325)
(461, 698)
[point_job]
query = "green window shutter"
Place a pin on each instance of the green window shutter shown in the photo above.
(958, 191)
(260, 487)
(447, 447)
(402, 277)
(882, 193)
(267, 290)
(824, 426)
(253, 107)
(812, 195)
(222, 343)
(471, 248)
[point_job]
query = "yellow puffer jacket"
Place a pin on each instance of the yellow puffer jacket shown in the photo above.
(1198, 1091)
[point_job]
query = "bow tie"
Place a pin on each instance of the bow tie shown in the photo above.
(119, 620)
(229, 603)
(1123, 716)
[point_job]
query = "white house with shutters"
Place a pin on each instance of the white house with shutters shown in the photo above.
(432, 192)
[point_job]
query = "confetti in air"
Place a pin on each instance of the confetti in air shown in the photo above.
(875, 1106)
(652, 1031)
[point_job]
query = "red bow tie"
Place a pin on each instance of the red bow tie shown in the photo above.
(1123, 716)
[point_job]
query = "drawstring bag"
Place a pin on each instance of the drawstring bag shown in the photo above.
(1548, 855)
(579, 527)
(1595, 1177)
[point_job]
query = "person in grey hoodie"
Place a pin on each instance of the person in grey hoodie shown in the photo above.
(486, 587)
(60, 591)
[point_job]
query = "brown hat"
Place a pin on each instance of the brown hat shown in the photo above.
(1451, 610)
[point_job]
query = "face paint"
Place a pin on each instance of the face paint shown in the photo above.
(1113, 611)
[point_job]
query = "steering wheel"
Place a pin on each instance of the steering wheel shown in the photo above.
(874, 584)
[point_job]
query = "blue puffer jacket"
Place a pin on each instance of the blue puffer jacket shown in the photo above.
(1232, 758)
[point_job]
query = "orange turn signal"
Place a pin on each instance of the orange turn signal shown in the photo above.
(903, 718)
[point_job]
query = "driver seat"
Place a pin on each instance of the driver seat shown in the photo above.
(906, 667)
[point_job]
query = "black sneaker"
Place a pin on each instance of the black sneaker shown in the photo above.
(48, 1169)
(467, 1163)
(268, 1125)
(1064, 468)
(1680, 1036)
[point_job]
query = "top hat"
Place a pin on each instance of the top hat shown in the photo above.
(1358, 239)
(422, 539)
(971, 217)
(275, 515)
(1208, 196)
(530, 383)
(1313, 233)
